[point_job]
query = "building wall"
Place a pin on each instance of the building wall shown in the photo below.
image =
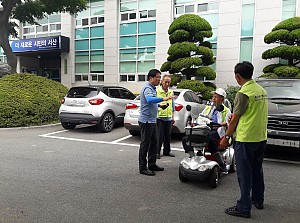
(267, 14)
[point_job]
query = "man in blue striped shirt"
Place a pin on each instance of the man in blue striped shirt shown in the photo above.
(147, 123)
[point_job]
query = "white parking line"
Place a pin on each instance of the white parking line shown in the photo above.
(52, 133)
(115, 142)
(121, 139)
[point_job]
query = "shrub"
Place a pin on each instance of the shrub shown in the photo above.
(27, 99)
(231, 92)
(197, 86)
(286, 71)
(175, 78)
(269, 75)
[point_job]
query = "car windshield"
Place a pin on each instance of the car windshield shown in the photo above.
(82, 92)
(282, 89)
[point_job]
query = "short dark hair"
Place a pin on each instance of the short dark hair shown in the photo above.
(245, 69)
(152, 73)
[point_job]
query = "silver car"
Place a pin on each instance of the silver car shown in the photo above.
(183, 97)
(102, 106)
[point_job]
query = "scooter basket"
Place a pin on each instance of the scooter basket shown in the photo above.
(197, 134)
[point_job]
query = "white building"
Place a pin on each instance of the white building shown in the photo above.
(116, 42)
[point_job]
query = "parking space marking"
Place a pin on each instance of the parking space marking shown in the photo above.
(115, 142)
(52, 133)
(121, 139)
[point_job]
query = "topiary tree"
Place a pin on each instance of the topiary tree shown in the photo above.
(189, 54)
(27, 99)
(205, 88)
(287, 34)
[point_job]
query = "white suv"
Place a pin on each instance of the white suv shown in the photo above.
(102, 106)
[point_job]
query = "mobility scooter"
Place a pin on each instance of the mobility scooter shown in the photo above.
(203, 166)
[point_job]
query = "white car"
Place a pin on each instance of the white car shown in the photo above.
(183, 97)
(102, 106)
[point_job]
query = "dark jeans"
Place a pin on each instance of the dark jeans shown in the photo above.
(164, 135)
(148, 145)
(213, 138)
(249, 158)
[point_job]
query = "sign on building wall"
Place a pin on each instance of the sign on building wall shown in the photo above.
(40, 44)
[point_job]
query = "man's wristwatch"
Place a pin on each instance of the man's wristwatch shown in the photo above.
(227, 137)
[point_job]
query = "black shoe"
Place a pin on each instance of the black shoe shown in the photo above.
(169, 154)
(223, 169)
(157, 156)
(155, 168)
(258, 206)
(147, 172)
(234, 212)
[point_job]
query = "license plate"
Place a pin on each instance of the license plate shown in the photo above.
(283, 142)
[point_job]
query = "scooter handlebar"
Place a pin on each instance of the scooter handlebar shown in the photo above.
(214, 125)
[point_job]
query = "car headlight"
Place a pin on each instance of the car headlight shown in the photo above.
(185, 166)
(203, 168)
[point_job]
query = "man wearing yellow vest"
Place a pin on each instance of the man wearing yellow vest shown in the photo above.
(165, 117)
(249, 122)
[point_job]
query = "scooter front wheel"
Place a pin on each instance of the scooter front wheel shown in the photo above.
(181, 177)
(214, 177)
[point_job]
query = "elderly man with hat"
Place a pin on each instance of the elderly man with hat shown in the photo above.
(220, 117)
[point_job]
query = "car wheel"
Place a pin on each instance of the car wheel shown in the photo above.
(134, 133)
(107, 123)
(232, 168)
(67, 125)
(181, 177)
(214, 177)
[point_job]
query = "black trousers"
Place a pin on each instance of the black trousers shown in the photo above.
(249, 158)
(148, 145)
(164, 136)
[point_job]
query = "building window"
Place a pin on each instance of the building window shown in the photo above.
(203, 7)
(141, 77)
(129, 78)
(89, 52)
(182, 1)
(85, 22)
(246, 49)
(123, 78)
(48, 26)
(137, 38)
(288, 9)
(93, 15)
(247, 20)
(97, 78)
(213, 21)
(189, 9)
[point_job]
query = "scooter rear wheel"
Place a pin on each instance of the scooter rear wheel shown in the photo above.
(214, 177)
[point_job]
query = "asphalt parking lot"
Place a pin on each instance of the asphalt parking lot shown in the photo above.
(49, 174)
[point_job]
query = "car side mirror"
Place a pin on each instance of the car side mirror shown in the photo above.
(188, 108)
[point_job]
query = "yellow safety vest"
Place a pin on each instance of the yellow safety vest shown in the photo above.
(167, 113)
(252, 126)
(223, 113)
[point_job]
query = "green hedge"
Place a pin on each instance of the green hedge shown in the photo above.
(27, 99)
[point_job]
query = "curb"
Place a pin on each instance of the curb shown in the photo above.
(29, 127)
